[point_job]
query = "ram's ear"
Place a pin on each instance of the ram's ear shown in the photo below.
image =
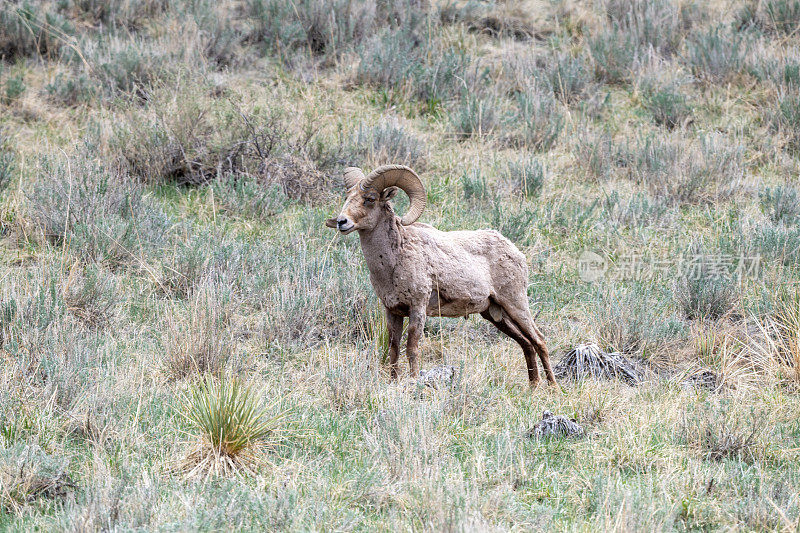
(388, 193)
(331, 223)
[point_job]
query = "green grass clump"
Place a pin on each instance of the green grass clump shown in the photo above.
(231, 429)
(667, 105)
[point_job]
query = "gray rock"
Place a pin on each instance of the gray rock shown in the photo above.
(555, 426)
(437, 376)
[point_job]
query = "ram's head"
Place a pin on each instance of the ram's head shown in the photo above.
(367, 196)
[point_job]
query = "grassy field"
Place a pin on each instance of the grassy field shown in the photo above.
(166, 168)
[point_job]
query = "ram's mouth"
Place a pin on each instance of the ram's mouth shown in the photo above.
(347, 229)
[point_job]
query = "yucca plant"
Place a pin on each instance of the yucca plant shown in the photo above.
(785, 326)
(230, 428)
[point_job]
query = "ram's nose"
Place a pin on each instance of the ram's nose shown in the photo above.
(341, 221)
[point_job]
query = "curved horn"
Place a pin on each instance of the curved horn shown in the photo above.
(404, 178)
(352, 176)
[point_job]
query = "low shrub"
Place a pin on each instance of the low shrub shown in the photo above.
(516, 223)
(414, 65)
(474, 185)
(92, 296)
(97, 212)
(716, 55)
(29, 475)
(7, 161)
(633, 321)
(13, 88)
(526, 177)
(786, 119)
(536, 118)
(638, 211)
(28, 30)
(779, 243)
(781, 204)
(246, 196)
(568, 76)
(190, 138)
(666, 104)
(71, 90)
(715, 434)
(327, 29)
(616, 57)
(386, 142)
(683, 172)
(475, 116)
(659, 24)
(771, 16)
(594, 152)
(705, 289)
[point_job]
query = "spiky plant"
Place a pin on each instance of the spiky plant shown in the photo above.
(231, 429)
(785, 325)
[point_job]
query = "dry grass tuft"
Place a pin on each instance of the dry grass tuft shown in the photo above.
(201, 345)
(779, 339)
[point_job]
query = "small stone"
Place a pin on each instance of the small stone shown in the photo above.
(436, 376)
(555, 426)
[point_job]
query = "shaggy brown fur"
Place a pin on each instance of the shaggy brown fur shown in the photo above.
(419, 271)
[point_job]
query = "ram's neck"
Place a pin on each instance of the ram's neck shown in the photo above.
(381, 246)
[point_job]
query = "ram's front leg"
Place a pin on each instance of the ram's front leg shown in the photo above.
(416, 325)
(394, 323)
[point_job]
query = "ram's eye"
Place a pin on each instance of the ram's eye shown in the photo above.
(369, 201)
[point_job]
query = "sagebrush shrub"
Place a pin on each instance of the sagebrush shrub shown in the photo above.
(567, 76)
(716, 55)
(667, 105)
(615, 56)
(410, 64)
(94, 210)
(594, 152)
(682, 172)
(246, 196)
(30, 30)
(92, 296)
(475, 116)
(7, 161)
(770, 16)
(526, 177)
(71, 90)
(781, 204)
(29, 475)
(659, 24)
(537, 119)
(706, 289)
(634, 321)
(387, 142)
(786, 118)
(474, 186)
(328, 28)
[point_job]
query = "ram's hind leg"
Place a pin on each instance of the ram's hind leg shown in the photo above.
(521, 316)
(394, 324)
(505, 325)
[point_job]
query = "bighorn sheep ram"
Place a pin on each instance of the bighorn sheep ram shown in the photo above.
(418, 271)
